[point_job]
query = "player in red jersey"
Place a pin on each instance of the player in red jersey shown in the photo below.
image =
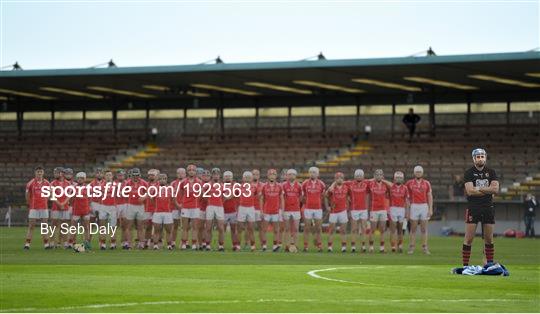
(338, 200)
(292, 191)
(399, 206)
(359, 193)
(188, 200)
(215, 209)
(81, 211)
(230, 206)
(95, 202)
(135, 209)
(108, 212)
(68, 175)
(201, 230)
(421, 208)
(149, 206)
(271, 200)
(60, 208)
(163, 212)
(379, 195)
(312, 198)
(177, 203)
(258, 215)
(246, 208)
(121, 203)
(38, 209)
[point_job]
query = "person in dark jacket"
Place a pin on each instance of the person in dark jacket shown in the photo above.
(530, 206)
(410, 120)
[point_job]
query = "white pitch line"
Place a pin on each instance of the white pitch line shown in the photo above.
(313, 273)
(180, 302)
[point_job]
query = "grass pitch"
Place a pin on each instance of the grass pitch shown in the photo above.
(185, 281)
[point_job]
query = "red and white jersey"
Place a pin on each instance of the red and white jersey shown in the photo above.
(338, 196)
(258, 186)
(230, 205)
(189, 197)
(379, 193)
(251, 190)
(176, 184)
(120, 200)
(151, 206)
(292, 193)
(399, 194)
(162, 201)
(313, 191)
(108, 198)
(215, 194)
(99, 183)
(358, 191)
(271, 193)
(134, 197)
(61, 199)
(80, 204)
(35, 200)
(418, 190)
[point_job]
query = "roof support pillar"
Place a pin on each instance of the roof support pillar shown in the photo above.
(468, 119)
(53, 118)
(357, 114)
(393, 119)
(147, 121)
(432, 117)
(508, 109)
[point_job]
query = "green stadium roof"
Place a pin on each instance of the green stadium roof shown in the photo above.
(479, 77)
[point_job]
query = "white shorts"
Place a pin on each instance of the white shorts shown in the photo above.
(246, 214)
(108, 212)
(175, 214)
(287, 215)
(313, 214)
(121, 209)
(38, 214)
(271, 217)
(60, 214)
(191, 213)
(134, 212)
(340, 218)
(94, 208)
(397, 214)
(230, 218)
(148, 215)
(162, 218)
(202, 214)
(258, 215)
(419, 211)
(78, 217)
(378, 215)
(215, 212)
(359, 214)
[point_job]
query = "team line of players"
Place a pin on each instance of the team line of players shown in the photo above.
(366, 203)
